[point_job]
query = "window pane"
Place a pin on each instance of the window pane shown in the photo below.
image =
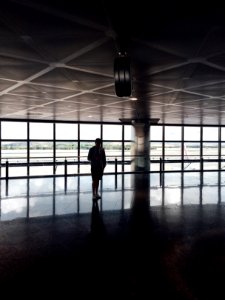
(172, 179)
(191, 133)
(127, 148)
(155, 154)
(17, 171)
(172, 133)
(128, 132)
(14, 151)
(223, 149)
(90, 131)
(172, 150)
(113, 151)
(41, 170)
(42, 131)
(41, 151)
(84, 148)
(66, 149)
(156, 133)
(84, 163)
(223, 156)
(210, 150)
(155, 150)
(191, 151)
(222, 133)
(112, 132)
(66, 131)
(127, 156)
(72, 168)
(210, 133)
(14, 130)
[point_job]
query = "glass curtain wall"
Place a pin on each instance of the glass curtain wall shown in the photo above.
(32, 148)
(187, 148)
(47, 148)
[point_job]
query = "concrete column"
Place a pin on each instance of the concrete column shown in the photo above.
(140, 148)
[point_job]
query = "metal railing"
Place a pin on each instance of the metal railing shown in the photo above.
(117, 161)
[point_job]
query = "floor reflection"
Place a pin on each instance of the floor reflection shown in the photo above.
(139, 241)
(98, 231)
(36, 197)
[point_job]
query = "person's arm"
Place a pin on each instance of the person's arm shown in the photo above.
(103, 158)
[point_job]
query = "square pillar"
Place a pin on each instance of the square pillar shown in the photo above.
(140, 148)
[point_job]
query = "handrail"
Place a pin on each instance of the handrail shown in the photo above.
(113, 161)
(116, 162)
(108, 156)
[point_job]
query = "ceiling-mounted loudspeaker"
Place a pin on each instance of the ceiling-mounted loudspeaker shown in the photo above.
(122, 76)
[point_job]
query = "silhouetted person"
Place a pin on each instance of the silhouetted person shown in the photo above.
(96, 156)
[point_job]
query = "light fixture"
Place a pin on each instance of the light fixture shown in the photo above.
(133, 121)
(133, 98)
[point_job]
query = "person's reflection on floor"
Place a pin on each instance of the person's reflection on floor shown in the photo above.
(98, 231)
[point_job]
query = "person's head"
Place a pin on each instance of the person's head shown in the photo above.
(98, 142)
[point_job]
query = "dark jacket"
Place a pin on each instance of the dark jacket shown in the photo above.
(97, 157)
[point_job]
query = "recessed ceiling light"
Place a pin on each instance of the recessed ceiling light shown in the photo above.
(90, 116)
(133, 98)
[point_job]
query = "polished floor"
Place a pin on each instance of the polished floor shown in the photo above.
(142, 240)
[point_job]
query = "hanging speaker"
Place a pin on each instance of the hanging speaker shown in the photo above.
(122, 76)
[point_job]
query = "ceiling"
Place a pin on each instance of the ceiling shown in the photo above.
(57, 61)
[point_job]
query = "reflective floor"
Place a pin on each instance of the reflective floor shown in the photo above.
(141, 240)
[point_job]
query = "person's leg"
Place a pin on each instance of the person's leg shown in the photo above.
(93, 183)
(93, 188)
(99, 177)
(97, 185)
